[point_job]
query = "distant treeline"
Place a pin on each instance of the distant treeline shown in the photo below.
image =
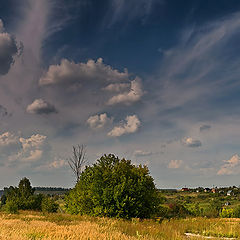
(51, 189)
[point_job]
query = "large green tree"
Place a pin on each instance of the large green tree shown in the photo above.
(114, 188)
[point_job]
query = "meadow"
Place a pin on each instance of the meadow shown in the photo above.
(32, 225)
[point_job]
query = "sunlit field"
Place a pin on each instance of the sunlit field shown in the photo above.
(33, 225)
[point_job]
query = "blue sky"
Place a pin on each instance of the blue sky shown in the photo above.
(153, 81)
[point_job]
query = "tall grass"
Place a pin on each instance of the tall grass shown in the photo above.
(33, 225)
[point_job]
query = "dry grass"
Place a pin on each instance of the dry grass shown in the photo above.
(35, 226)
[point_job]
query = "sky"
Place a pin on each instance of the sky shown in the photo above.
(154, 81)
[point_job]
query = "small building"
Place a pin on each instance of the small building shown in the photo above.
(230, 193)
(185, 189)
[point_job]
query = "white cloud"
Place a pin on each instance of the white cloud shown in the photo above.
(8, 49)
(141, 153)
(1, 26)
(71, 73)
(131, 126)
(117, 87)
(231, 166)
(58, 164)
(175, 164)
(98, 121)
(40, 106)
(196, 59)
(190, 142)
(23, 149)
(32, 148)
(35, 141)
(7, 139)
(133, 95)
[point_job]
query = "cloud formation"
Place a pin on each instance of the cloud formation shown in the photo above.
(190, 142)
(141, 153)
(7, 139)
(8, 49)
(58, 163)
(17, 148)
(98, 121)
(40, 106)
(69, 72)
(175, 164)
(131, 125)
(32, 148)
(117, 87)
(231, 166)
(133, 95)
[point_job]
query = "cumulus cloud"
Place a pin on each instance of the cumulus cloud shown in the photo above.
(9, 144)
(40, 106)
(98, 121)
(131, 125)
(175, 164)
(117, 87)
(32, 147)
(8, 49)
(141, 153)
(7, 139)
(133, 95)
(190, 142)
(69, 72)
(17, 148)
(231, 166)
(204, 128)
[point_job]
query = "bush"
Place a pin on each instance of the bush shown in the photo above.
(227, 213)
(177, 210)
(236, 212)
(49, 205)
(23, 196)
(11, 207)
(114, 188)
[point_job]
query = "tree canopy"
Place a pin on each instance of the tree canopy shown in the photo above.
(23, 197)
(114, 188)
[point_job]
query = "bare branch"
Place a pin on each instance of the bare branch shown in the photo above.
(78, 160)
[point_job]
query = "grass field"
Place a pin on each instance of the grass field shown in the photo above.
(33, 225)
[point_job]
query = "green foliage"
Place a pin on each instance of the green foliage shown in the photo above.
(11, 207)
(49, 205)
(237, 212)
(3, 200)
(177, 210)
(23, 196)
(196, 210)
(227, 213)
(214, 208)
(114, 188)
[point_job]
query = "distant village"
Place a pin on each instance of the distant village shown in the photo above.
(228, 191)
